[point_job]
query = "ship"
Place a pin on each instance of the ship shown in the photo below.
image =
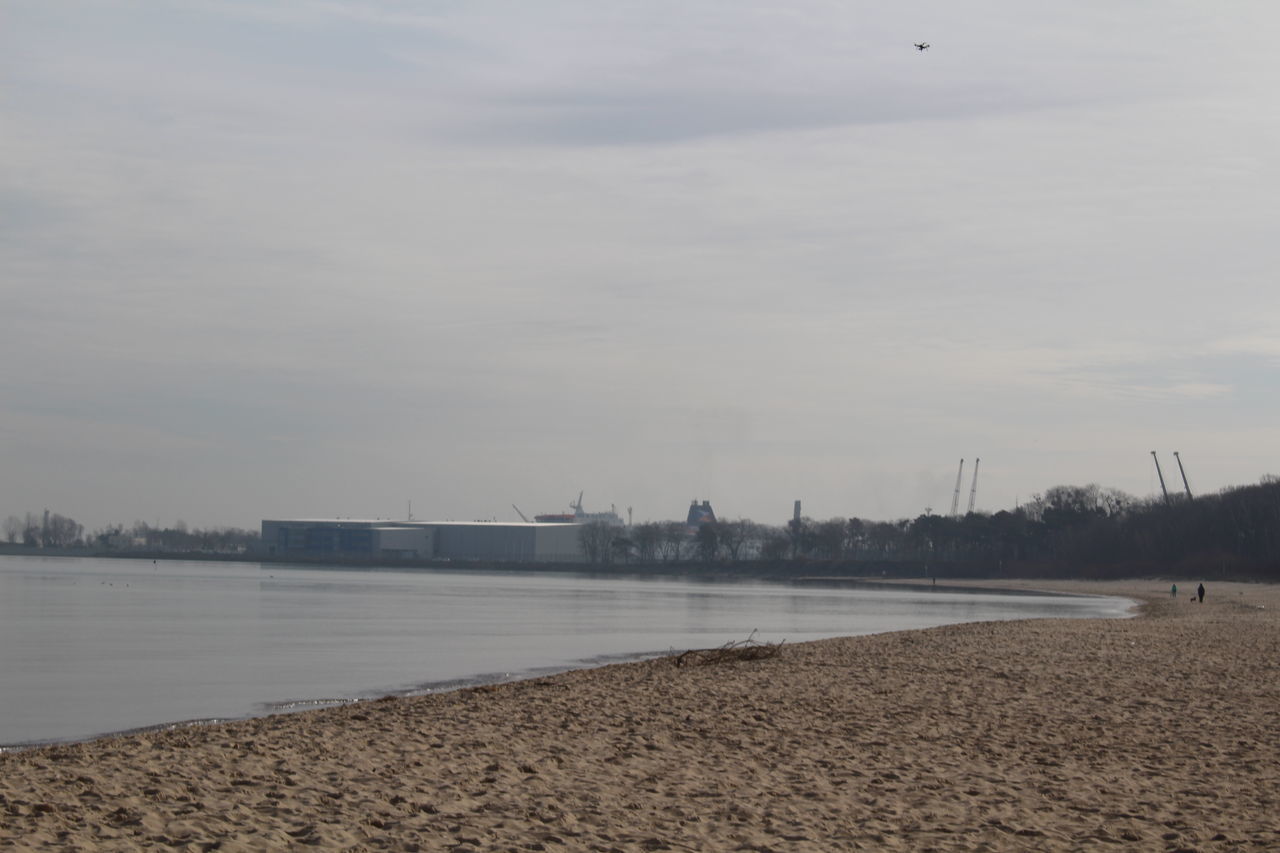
(581, 516)
(699, 514)
(555, 518)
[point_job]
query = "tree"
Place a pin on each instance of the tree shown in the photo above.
(803, 536)
(885, 539)
(62, 532)
(708, 541)
(856, 536)
(596, 539)
(675, 536)
(648, 540)
(622, 549)
(12, 529)
(931, 535)
(829, 538)
(737, 535)
(31, 531)
(776, 543)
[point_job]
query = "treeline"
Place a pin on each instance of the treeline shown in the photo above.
(43, 530)
(53, 530)
(1068, 530)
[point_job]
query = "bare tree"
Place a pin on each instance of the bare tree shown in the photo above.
(62, 532)
(12, 529)
(675, 538)
(829, 538)
(737, 535)
(596, 539)
(707, 541)
(31, 530)
(855, 536)
(775, 543)
(648, 540)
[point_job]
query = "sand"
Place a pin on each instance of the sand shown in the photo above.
(1155, 733)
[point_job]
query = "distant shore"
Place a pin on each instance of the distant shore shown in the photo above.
(802, 570)
(1158, 732)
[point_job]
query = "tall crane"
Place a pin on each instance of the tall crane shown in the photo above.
(973, 490)
(1160, 474)
(955, 498)
(1183, 472)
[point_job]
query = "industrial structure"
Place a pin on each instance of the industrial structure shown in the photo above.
(422, 540)
(1181, 470)
(549, 538)
(955, 497)
(973, 490)
(1160, 474)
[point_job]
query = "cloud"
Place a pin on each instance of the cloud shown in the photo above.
(601, 117)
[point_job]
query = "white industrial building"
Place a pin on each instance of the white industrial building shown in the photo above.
(423, 540)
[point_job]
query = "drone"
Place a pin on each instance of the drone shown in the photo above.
(922, 45)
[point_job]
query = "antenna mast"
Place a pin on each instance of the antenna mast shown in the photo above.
(1183, 472)
(973, 491)
(955, 497)
(1161, 476)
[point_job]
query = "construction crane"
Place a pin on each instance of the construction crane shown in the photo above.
(1183, 472)
(1160, 474)
(519, 513)
(973, 490)
(955, 497)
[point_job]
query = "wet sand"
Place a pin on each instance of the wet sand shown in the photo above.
(1155, 733)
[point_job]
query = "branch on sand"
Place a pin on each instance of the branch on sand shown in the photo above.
(748, 649)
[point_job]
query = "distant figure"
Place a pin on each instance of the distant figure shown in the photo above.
(1200, 593)
(922, 46)
(1174, 591)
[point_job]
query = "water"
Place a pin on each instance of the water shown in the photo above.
(90, 646)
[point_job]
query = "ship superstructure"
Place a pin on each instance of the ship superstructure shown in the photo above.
(581, 516)
(699, 514)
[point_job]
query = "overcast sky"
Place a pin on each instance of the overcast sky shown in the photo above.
(285, 258)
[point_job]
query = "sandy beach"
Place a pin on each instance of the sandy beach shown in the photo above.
(1160, 732)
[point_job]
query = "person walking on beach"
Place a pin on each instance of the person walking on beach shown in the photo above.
(1200, 593)
(1174, 592)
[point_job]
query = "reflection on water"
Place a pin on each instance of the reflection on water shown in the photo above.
(90, 646)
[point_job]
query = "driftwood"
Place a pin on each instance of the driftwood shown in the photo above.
(748, 649)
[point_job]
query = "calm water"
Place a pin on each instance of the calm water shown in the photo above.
(93, 646)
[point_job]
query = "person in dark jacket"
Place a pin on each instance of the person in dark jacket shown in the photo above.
(1200, 593)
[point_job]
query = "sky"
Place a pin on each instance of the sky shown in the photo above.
(330, 258)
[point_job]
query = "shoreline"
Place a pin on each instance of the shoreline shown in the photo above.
(1050, 734)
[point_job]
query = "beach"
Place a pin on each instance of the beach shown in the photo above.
(1160, 732)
